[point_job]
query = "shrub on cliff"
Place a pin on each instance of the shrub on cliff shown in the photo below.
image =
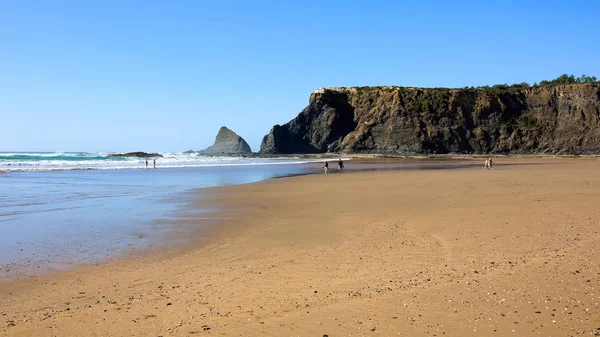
(569, 79)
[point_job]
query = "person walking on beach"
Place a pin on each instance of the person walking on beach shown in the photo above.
(487, 163)
(340, 165)
(154, 162)
(326, 167)
(146, 163)
(490, 164)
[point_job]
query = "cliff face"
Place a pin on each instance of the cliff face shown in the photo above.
(562, 119)
(227, 142)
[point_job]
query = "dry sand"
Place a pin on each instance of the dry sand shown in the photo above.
(509, 252)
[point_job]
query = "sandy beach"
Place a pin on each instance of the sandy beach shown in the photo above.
(450, 252)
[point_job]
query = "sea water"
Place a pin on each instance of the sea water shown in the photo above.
(68, 161)
(58, 210)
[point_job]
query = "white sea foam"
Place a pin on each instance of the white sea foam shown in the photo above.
(30, 161)
(52, 154)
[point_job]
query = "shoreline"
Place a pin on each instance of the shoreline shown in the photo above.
(97, 215)
(319, 158)
(178, 240)
(267, 256)
(180, 231)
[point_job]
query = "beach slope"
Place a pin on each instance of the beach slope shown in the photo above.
(462, 252)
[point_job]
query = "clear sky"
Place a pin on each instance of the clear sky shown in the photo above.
(165, 75)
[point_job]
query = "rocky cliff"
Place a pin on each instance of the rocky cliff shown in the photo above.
(227, 142)
(558, 119)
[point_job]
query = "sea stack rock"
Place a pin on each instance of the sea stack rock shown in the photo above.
(227, 142)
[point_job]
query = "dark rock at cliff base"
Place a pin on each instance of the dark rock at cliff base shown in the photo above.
(557, 119)
(227, 142)
(136, 155)
(322, 122)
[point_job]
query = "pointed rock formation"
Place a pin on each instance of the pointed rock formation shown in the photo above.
(227, 142)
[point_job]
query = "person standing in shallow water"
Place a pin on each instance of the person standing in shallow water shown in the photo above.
(326, 167)
(154, 162)
(340, 165)
(146, 163)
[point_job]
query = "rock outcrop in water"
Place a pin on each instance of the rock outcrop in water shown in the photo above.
(136, 155)
(555, 119)
(227, 142)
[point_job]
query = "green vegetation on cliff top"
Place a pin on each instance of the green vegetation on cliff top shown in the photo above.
(506, 88)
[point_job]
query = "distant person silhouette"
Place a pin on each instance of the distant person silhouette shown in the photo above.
(146, 163)
(340, 165)
(154, 163)
(326, 167)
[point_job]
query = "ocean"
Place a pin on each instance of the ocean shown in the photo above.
(59, 210)
(67, 161)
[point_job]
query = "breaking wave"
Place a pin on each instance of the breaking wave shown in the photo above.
(59, 161)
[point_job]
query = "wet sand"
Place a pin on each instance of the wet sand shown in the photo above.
(466, 252)
(58, 219)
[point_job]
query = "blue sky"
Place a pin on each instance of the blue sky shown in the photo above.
(165, 75)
